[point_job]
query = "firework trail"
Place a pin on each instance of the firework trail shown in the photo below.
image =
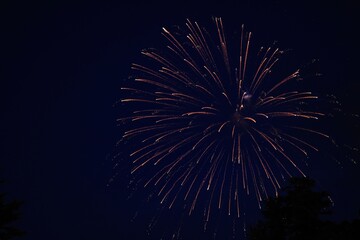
(205, 122)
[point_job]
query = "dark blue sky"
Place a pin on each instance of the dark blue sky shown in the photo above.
(62, 64)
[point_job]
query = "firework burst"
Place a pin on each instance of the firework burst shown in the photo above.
(205, 122)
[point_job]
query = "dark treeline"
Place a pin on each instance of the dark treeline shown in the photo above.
(299, 214)
(9, 213)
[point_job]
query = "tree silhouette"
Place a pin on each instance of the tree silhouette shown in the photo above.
(9, 212)
(297, 215)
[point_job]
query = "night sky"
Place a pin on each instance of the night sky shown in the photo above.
(62, 65)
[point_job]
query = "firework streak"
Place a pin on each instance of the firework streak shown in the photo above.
(204, 123)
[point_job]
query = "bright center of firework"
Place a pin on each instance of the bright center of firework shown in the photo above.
(240, 118)
(239, 121)
(237, 118)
